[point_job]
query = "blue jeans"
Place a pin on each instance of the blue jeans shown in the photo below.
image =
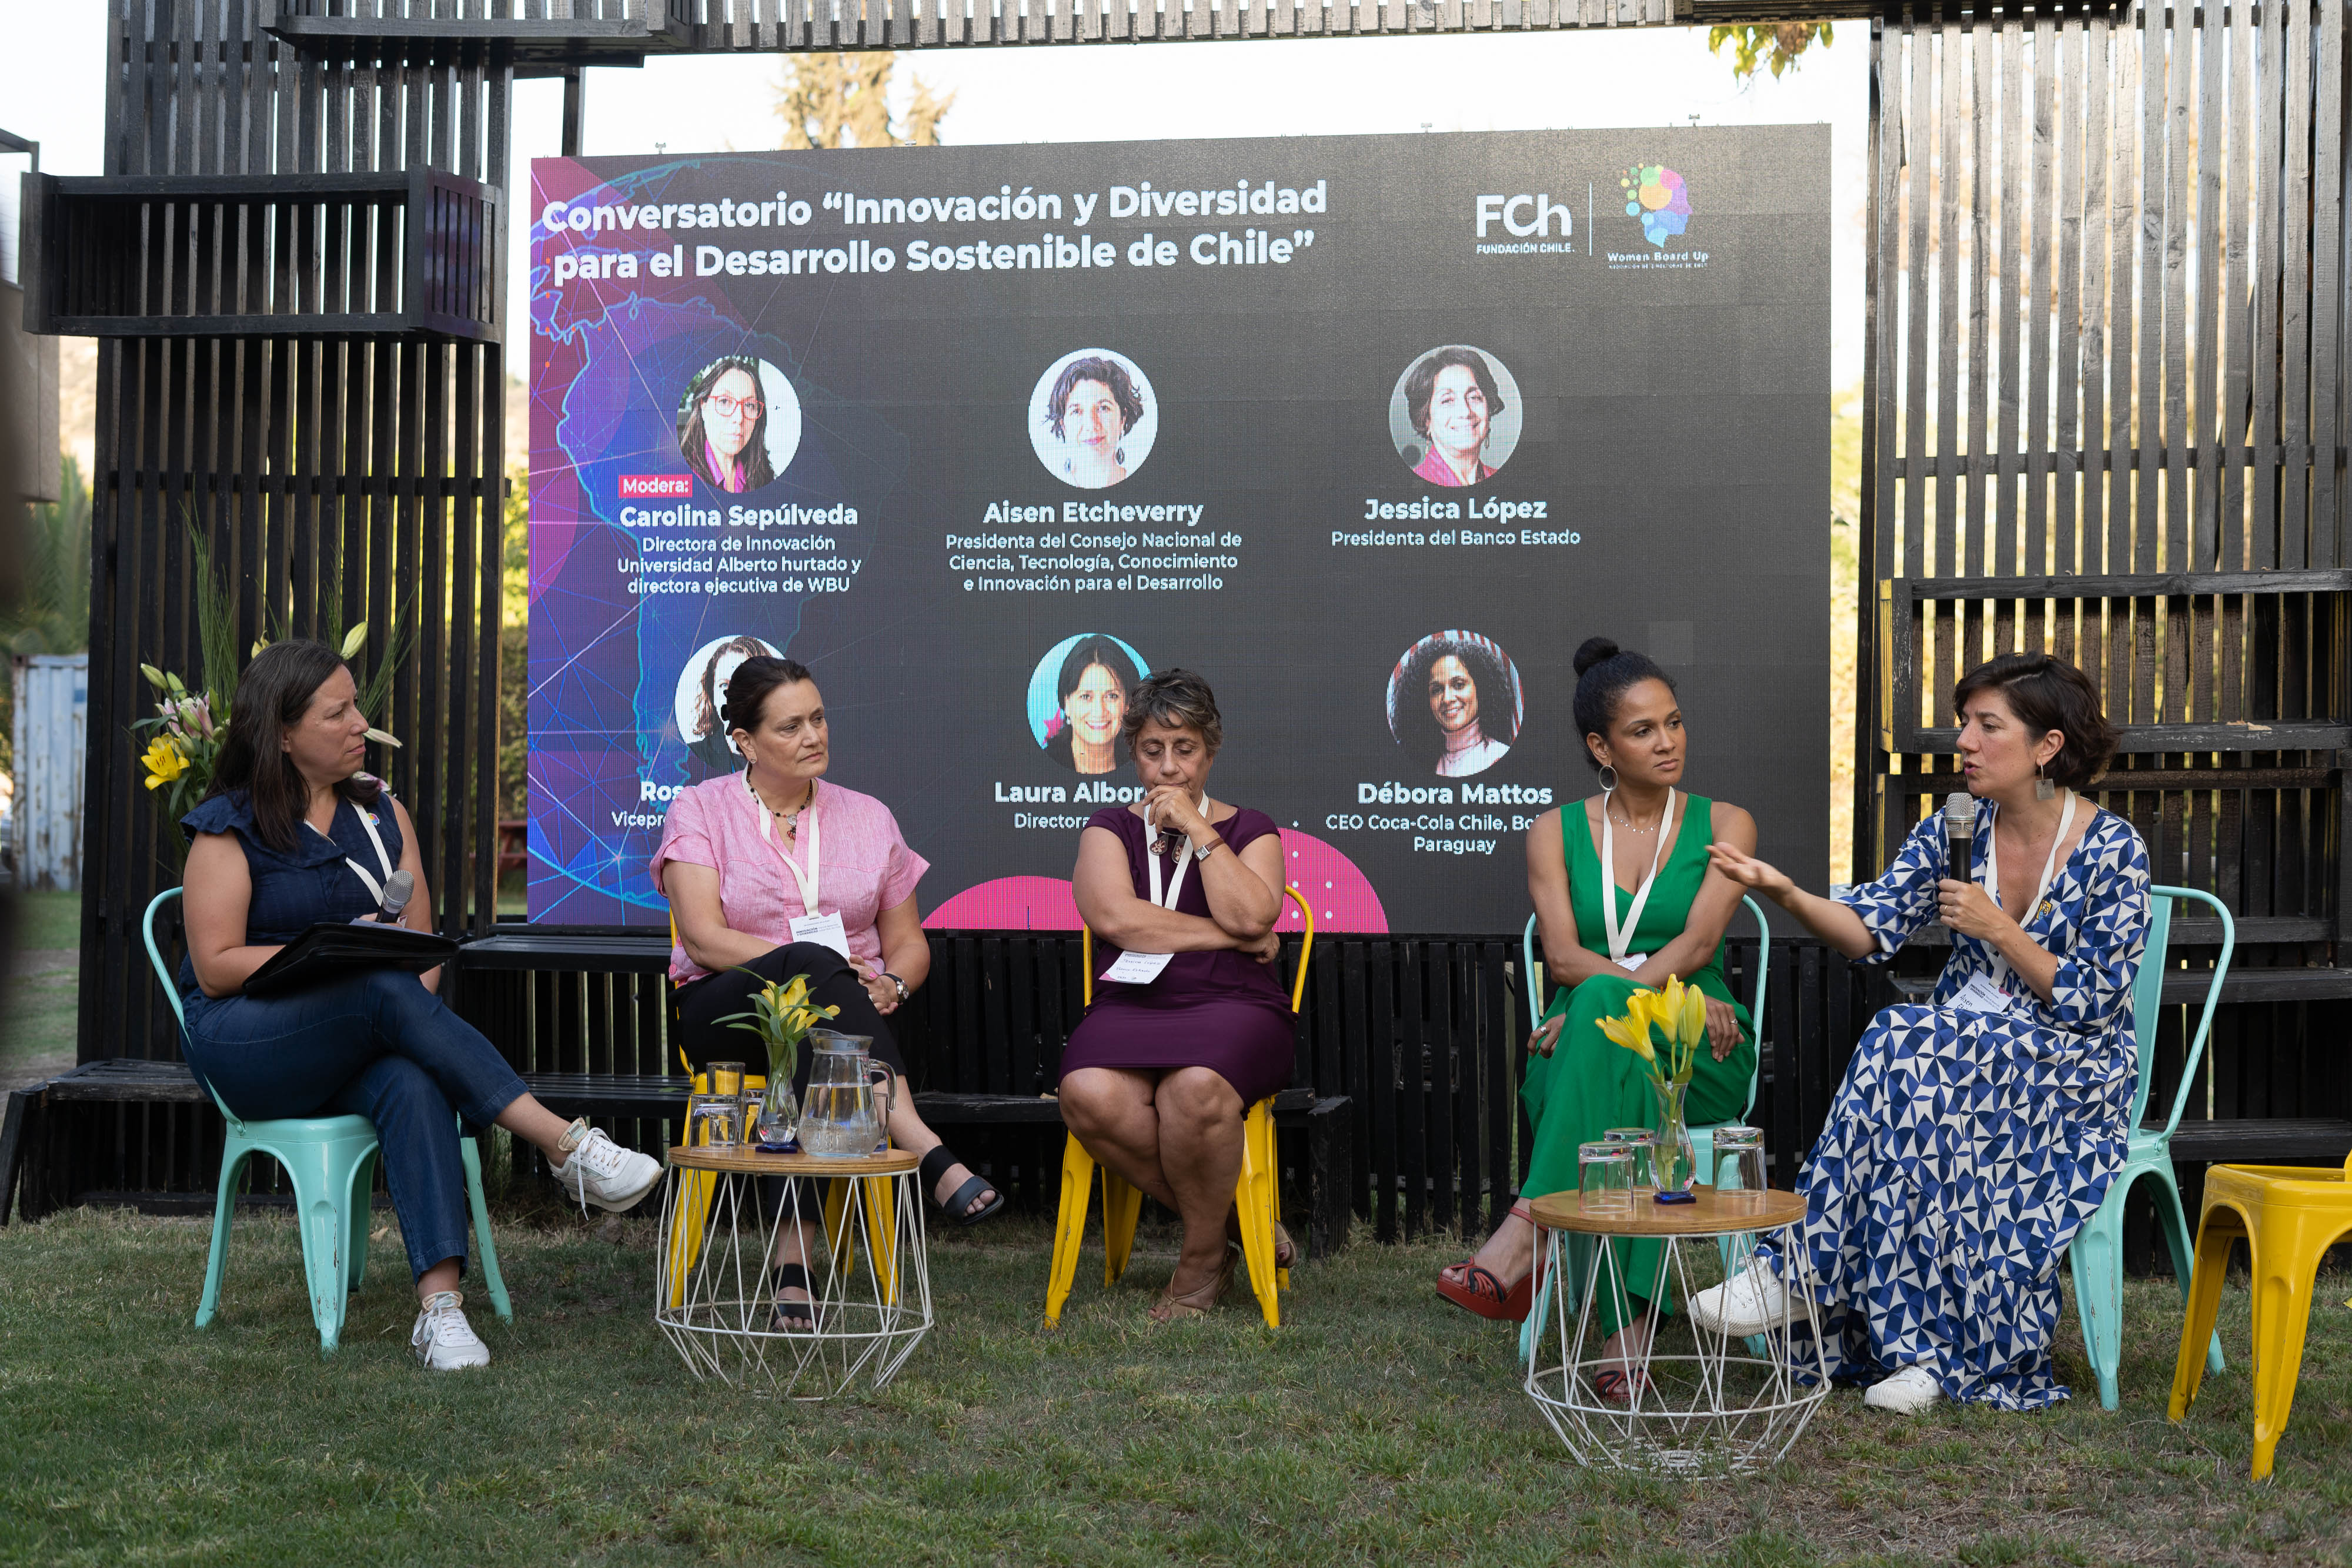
(377, 1045)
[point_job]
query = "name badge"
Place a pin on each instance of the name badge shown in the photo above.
(1138, 969)
(1980, 995)
(1631, 962)
(827, 930)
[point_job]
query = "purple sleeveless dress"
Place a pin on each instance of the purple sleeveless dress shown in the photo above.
(1226, 1010)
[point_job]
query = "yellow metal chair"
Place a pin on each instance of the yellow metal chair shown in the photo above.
(1256, 1196)
(2290, 1215)
(697, 1188)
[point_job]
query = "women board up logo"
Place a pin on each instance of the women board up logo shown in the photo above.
(1657, 197)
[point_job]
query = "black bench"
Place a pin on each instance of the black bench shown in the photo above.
(1323, 1122)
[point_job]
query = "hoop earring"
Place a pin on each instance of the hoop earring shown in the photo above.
(1608, 779)
(2043, 789)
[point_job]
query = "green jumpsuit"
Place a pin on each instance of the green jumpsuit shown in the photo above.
(1590, 1084)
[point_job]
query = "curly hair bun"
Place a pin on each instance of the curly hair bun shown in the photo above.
(1594, 651)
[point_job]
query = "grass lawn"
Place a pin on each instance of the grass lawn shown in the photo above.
(1378, 1426)
(36, 1034)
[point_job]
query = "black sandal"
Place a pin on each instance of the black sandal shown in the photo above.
(963, 1205)
(789, 1317)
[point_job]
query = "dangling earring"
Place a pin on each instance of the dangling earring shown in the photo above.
(2043, 789)
(1118, 455)
(1608, 779)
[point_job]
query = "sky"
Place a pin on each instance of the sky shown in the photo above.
(51, 90)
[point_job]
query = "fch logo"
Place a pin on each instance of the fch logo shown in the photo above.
(1657, 197)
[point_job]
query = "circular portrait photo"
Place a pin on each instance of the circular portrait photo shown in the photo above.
(738, 424)
(1454, 416)
(1078, 696)
(1455, 703)
(702, 692)
(1092, 418)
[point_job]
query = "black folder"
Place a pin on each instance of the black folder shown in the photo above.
(329, 951)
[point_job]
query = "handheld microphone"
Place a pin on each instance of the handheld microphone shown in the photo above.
(398, 888)
(1960, 825)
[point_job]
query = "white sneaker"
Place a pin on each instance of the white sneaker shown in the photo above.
(602, 1172)
(443, 1340)
(1907, 1393)
(1749, 1303)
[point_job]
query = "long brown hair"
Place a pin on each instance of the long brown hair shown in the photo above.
(275, 692)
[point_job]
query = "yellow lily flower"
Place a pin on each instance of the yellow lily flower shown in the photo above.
(164, 763)
(793, 994)
(1632, 1030)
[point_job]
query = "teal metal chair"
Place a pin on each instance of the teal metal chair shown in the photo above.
(2097, 1256)
(1702, 1138)
(331, 1162)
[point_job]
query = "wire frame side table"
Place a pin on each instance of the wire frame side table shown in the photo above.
(1698, 1402)
(869, 1272)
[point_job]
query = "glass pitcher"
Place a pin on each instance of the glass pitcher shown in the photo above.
(846, 1111)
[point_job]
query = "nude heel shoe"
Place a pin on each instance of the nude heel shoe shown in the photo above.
(1197, 1302)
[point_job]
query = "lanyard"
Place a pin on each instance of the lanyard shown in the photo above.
(2049, 867)
(1151, 859)
(375, 888)
(809, 879)
(1620, 938)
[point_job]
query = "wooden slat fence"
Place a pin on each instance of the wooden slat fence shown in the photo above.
(367, 467)
(2104, 418)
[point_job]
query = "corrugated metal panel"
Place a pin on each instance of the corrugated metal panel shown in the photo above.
(52, 742)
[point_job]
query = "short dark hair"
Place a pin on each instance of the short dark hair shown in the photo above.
(1177, 699)
(692, 439)
(2047, 694)
(1112, 374)
(1604, 674)
(275, 692)
(1088, 653)
(1421, 381)
(748, 688)
(1498, 706)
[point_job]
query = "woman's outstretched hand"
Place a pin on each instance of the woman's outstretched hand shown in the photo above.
(1750, 872)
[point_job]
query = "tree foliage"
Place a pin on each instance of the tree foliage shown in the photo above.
(843, 101)
(53, 615)
(1776, 45)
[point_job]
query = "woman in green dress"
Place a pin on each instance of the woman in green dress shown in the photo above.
(1667, 917)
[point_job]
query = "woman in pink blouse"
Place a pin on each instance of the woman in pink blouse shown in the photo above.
(767, 869)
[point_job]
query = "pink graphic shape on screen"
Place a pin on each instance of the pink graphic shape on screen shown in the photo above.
(1341, 894)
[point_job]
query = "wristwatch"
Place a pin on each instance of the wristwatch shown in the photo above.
(903, 992)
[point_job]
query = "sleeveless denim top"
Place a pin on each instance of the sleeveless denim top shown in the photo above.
(293, 892)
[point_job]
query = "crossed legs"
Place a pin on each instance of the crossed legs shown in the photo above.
(1176, 1136)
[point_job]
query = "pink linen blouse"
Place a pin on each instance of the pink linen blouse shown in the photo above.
(867, 866)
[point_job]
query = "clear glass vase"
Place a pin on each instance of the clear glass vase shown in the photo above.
(780, 1108)
(1673, 1158)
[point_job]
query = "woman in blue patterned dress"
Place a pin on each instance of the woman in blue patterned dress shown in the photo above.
(1973, 1135)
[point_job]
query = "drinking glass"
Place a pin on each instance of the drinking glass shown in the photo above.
(724, 1078)
(1605, 1177)
(1739, 1169)
(1644, 1145)
(714, 1121)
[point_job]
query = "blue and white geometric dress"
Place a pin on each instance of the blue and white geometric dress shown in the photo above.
(1965, 1149)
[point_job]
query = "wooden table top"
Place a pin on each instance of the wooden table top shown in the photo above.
(748, 1160)
(1709, 1215)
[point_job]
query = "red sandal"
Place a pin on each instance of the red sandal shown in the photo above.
(1476, 1289)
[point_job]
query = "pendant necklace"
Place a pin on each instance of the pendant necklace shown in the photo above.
(792, 819)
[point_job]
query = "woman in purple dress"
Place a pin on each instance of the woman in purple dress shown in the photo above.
(1189, 1025)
